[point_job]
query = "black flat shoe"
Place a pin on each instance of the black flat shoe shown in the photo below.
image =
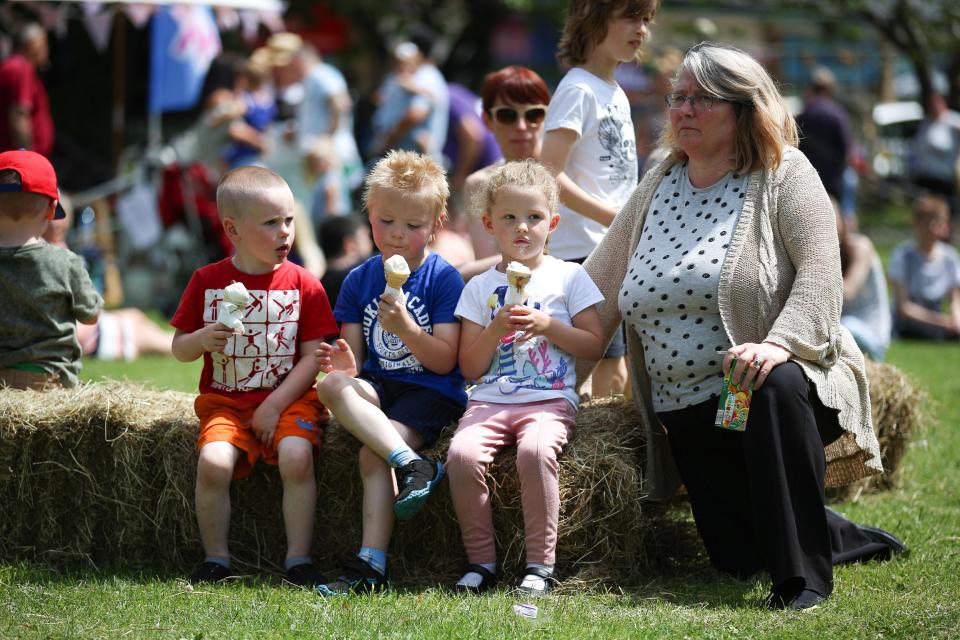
(806, 600)
(488, 580)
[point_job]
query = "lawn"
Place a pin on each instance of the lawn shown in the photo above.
(913, 597)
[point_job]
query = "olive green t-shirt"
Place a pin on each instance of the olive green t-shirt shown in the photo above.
(44, 291)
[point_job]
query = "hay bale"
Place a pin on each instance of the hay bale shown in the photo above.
(898, 411)
(103, 475)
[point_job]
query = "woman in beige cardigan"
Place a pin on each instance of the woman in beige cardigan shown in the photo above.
(729, 248)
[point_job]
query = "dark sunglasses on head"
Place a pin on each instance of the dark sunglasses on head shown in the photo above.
(508, 115)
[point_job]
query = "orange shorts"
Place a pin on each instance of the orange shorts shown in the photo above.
(225, 419)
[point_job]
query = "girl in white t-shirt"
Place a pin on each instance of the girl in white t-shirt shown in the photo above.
(522, 356)
(590, 143)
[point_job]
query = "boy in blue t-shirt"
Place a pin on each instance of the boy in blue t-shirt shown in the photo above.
(409, 387)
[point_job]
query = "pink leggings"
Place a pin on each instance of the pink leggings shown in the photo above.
(540, 430)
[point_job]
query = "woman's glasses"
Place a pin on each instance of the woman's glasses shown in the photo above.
(508, 115)
(700, 103)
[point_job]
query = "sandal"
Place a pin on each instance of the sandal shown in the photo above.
(488, 580)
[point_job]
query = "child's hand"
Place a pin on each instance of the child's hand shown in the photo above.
(215, 337)
(336, 357)
(393, 316)
(501, 324)
(264, 422)
(532, 322)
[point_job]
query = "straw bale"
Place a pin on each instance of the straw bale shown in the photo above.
(103, 475)
(898, 412)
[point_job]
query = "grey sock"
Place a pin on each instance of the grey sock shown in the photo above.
(293, 561)
(221, 560)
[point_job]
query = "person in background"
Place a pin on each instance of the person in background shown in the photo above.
(25, 120)
(590, 141)
(331, 195)
(925, 274)
(824, 129)
(470, 145)
(259, 111)
(866, 305)
(45, 289)
(728, 249)
(935, 153)
(346, 242)
(514, 103)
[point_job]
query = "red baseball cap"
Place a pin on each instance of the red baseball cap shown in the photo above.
(36, 176)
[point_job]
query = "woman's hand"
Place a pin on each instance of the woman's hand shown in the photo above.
(754, 362)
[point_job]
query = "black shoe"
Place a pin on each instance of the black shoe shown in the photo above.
(805, 601)
(358, 578)
(895, 545)
(543, 574)
(787, 597)
(416, 480)
(488, 580)
(208, 572)
(304, 575)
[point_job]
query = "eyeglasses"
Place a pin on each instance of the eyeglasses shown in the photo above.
(508, 115)
(700, 103)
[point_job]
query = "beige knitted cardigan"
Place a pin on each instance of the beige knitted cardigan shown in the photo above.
(780, 281)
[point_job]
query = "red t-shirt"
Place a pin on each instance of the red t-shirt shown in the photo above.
(289, 307)
(20, 87)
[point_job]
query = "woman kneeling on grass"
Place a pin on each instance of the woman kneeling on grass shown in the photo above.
(729, 248)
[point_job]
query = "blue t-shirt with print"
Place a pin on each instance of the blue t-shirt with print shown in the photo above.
(432, 291)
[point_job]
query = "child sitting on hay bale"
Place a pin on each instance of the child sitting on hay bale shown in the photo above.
(46, 289)
(397, 309)
(243, 316)
(524, 322)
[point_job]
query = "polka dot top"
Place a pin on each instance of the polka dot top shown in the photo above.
(669, 296)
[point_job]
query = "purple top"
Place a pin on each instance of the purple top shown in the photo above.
(465, 104)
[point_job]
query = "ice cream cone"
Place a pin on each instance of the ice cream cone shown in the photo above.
(230, 309)
(396, 271)
(517, 277)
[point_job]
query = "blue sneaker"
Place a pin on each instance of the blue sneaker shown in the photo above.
(358, 578)
(416, 481)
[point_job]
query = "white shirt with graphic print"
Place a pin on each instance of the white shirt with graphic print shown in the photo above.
(535, 370)
(603, 162)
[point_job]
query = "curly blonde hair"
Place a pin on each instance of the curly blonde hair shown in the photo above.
(520, 173)
(764, 122)
(587, 21)
(414, 175)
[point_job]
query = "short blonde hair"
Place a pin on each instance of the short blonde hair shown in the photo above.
(238, 187)
(413, 175)
(587, 22)
(764, 122)
(520, 173)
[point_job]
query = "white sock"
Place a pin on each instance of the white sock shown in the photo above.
(472, 579)
(533, 582)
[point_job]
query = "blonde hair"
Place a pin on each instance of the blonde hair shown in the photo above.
(238, 187)
(587, 22)
(413, 175)
(764, 122)
(528, 174)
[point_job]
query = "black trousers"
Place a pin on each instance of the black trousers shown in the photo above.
(757, 495)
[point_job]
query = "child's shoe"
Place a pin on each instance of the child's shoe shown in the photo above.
(416, 480)
(358, 578)
(304, 575)
(208, 572)
(488, 580)
(537, 581)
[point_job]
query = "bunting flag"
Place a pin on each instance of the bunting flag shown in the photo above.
(183, 41)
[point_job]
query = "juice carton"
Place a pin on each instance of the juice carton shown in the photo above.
(734, 407)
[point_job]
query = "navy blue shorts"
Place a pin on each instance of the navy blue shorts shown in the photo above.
(424, 410)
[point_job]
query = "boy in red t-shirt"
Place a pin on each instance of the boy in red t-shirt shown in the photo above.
(257, 398)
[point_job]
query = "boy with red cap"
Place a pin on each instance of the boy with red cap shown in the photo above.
(46, 289)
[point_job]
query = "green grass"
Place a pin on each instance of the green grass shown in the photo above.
(914, 597)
